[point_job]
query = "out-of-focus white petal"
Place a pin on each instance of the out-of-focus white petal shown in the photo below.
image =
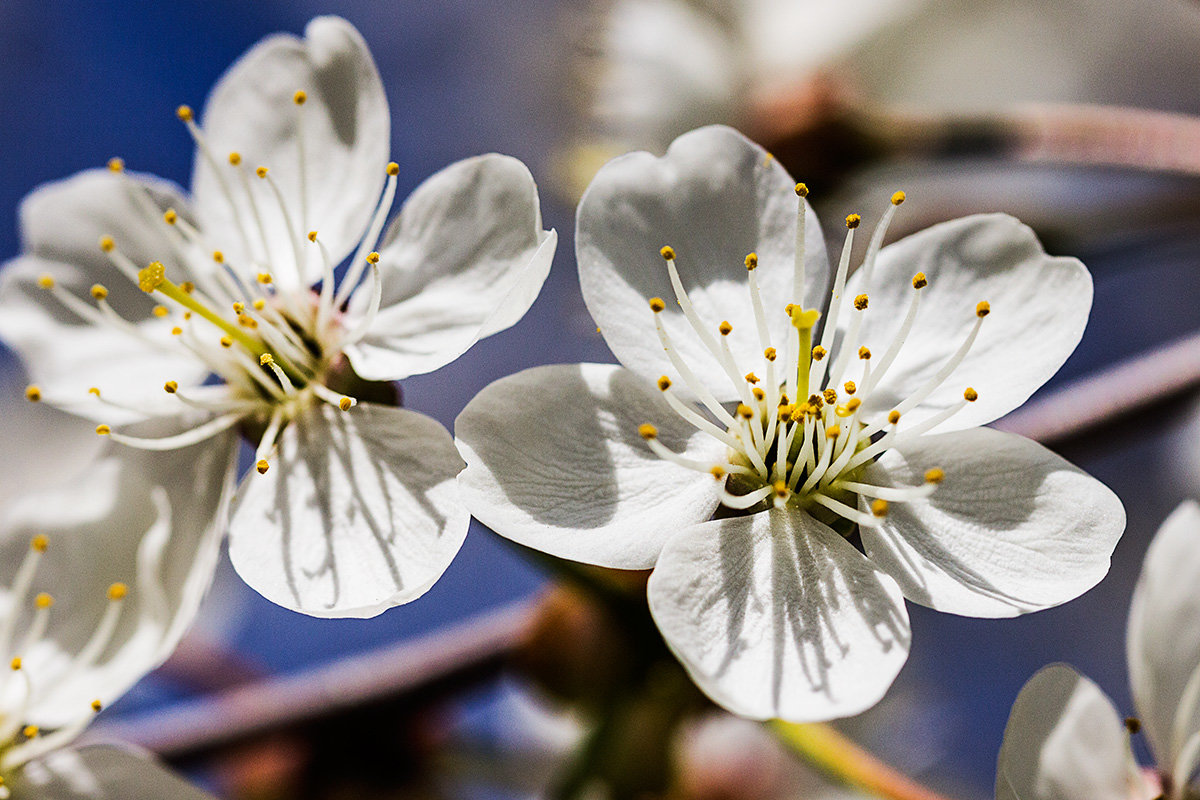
(101, 772)
(1163, 639)
(555, 462)
(714, 197)
(465, 259)
(1039, 307)
(1012, 528)
(775, 615)
(341, 135)
(1064, 741)
(358, 513)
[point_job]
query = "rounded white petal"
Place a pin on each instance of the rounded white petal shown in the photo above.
(62, 224)
(101, 772)
(1013, 527)
(327, 157)
(153, 521)
(1163, 639)
(465, 259)
(1039, 307)
(775, 615)
(555, 462)
(714, 197)
(359, 512)
(1064, 741)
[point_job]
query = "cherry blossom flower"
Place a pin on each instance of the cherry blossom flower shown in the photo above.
(1064, 737)
(794, 460)
(134, 301)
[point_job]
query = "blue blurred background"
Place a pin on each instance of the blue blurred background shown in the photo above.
(81, 82)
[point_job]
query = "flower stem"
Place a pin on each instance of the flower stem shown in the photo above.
(844, 761)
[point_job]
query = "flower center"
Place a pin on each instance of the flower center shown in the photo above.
(799, 434)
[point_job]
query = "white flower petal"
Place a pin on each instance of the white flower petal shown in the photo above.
(775, 615)
(345, 129)
(358, 513)
(1013, 527)
(153, 521)
(1163, 640)
(1064, 741)
(101, 772)
(714, 197)
(1039, 307)
(61, 225)
(465, 259)
(555, 462)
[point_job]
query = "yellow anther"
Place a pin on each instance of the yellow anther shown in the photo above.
(185, 113)
(647, 431)
(247, 322)
(117, 591)
(259, 304)
(667, 252)
(751, 377)
(664, 383)
(852, 221)
(785, 411)
(94, 391)
(860, 302)
(299, 97)
(850, 387)
(833, 431)
(15, 664)
(239, 307)
(393, 169)
(770, 354)
(920, 281)
(116, 165)
(372, 258)
(171, 387)
(97, 705)
(970, 395)
(830, 396)
(935, 475)
(33, 393)
(982, 309)
(43, 600)
(744, 411)
(103, 430)
(345, 404)
(170, 216)
(751, 261)
(152, 276)
(99, 291)
(801, 190)
(107, 244)
(759, 394)
(262, 466)
(819, 352)
(177, 331)
(161, 311)
(852, 404)
(260, 172)
(226, 341)
(898, 198)
(46, 282)
(818, 400)
(780, 488)
(657, 304)
(265, 278)
(864, 353)
(218, 257)
(312, 236)
(893, 416)
(29, 731)
(265, 359)
(717, 471)
(879, 508)
(235, 158)
(39, 542)
(187, 287)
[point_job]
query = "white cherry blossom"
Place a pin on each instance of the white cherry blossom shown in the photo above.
(134, 301)
(1065, 740)
(794, 452)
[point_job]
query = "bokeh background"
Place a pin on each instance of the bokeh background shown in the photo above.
(81, 82)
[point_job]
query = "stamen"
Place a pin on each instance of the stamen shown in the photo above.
(843, 510)
(799, 253)
(876, 243)
(919, 282)
(193, 436)
(368, 319)
(354, 274)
